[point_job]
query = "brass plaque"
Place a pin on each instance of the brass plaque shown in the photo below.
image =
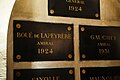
(99, 43)
(74, 8)
(37, 41)
(44, 74)
(100, 73)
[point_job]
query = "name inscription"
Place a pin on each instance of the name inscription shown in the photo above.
(47, 78)
(75, 8)
(99, 43)
(103, 73)
(44, 74)
(34, 41)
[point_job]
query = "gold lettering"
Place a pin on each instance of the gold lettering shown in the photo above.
(56, 36)
(103, 44)
(37, 78)
(24, 35)
(104, 51)
(106, 37)
(46, 35)
(102, 37)
(30, 35)
(52, 35)
(92, 78)
(101, 78)
(40, 78)
(47, 78)
(95, 37)
(18, 35)
(75, 8)
(36, 36)
(59, 36)
(76, 1)
(43, 35)
(45, 51)
(45, 43)
(104, 78)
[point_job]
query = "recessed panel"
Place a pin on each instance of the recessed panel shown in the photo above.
(74, 8)
(99, 43)
(100, 73)
(36, 41)
(44, 74)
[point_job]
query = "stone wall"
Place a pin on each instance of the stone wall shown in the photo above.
(37, 10)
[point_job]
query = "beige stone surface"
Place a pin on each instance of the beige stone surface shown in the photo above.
(2, 65)
(2, 57)
(110, 10)
(5, 11)
(37, 10)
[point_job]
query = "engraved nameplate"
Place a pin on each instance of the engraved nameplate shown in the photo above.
(74, 8)
(44, 74)
(36, 41)
(100, 73)
(99, 43)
